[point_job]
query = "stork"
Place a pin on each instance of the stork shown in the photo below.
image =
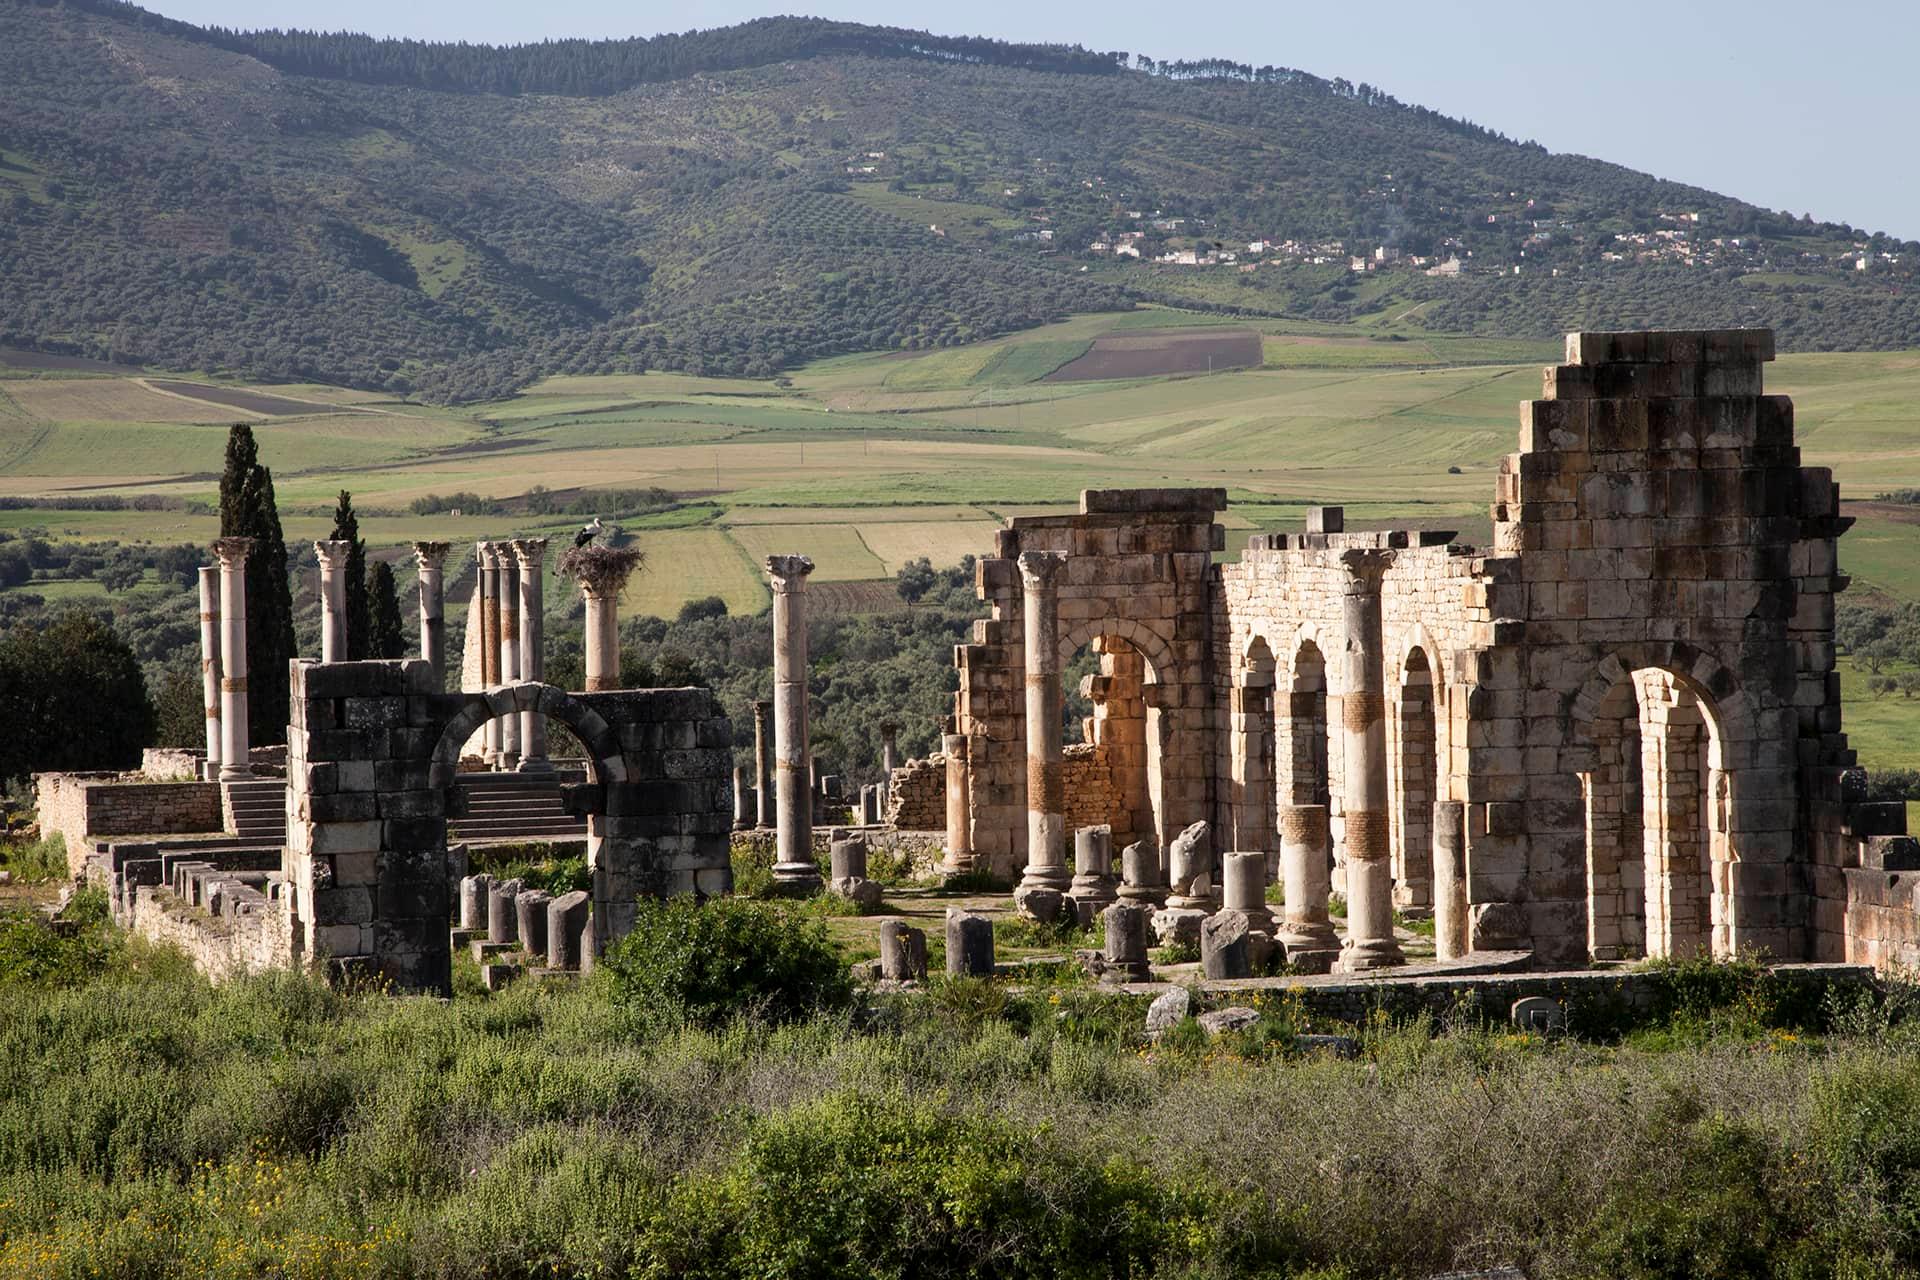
(588, 533)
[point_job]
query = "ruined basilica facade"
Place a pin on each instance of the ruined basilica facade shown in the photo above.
(1614, 733)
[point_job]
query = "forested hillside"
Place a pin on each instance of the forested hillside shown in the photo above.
(452, 221)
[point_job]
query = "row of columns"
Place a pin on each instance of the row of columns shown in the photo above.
(1370, 942)
(512, 619)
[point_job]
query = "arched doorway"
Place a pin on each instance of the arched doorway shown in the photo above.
(1415, 777)
(1658, 841)
(1111, 740)
(1255, 733)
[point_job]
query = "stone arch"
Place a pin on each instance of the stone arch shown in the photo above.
(1125, 748)
(1652, 727)
(604, 761)
(1419, 638)
(1415, 775)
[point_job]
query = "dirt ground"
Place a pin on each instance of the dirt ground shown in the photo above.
(1155, 353)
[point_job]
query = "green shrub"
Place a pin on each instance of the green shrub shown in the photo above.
(752, 869)
(34, 952)
(708, 963)
(37, 861)
(859, 1186)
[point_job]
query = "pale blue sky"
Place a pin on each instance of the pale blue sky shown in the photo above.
(1809, 108)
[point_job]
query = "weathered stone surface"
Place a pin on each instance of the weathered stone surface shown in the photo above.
(1224, 947)
(1038, 902)
(969, 944)
(1219, 1021)
(1540, 1014)
(1125, 951)
(1167, 1011)
(903, 952)
(566, 930)
(1178, 926)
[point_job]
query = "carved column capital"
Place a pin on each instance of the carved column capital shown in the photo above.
(530, 552)
(1040, 570)
(233, 552)
(333, 553)
(431, 555)
(1365, 566)
(789, 573)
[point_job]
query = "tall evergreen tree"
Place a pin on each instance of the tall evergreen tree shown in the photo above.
(385, 638)
(247, 509)
(346, 528)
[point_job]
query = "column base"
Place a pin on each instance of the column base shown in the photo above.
(1151, 895)
(536, 764)
(1360, 956)
(235, 773)
(1311, 948)
(1059, 879)
(797, 879)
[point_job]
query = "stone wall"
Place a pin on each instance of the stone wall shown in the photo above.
(83, 807)
(172, 764)
(373, 754)
(1092, 797)
(917, 795)
(1632, 692)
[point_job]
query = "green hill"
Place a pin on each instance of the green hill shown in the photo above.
(456, 221)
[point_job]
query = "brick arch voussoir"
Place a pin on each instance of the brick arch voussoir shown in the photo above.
(1141, 635)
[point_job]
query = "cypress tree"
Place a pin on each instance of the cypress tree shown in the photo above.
(385, 639)
(247, 509)
(346, 528)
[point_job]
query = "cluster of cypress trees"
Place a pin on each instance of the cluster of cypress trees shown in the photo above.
(373, 597)
(247, 510)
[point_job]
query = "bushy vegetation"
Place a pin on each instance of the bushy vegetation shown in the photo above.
(155, 1125)
(72, 696)
(707, 964)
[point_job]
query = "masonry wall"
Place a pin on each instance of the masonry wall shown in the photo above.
(83, 807)
(917, 795)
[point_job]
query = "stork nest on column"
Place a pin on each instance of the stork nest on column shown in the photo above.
(601, 570)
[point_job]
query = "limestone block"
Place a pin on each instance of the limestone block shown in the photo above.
(1224, 950)
(1178, 926)
(969, 944)
(903, 952)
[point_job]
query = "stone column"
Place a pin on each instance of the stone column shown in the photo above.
(1370, 942)
(793, 865)
(233, 553)
(431, 559)
(531, 555)
(1450, 879)
(210, 665)
(333, 598)
(1306, 872)
(889, 750)
(509, 648)
(959, 816)
(603, 638)
(485, 568)
(1046, 798)
(763, 766)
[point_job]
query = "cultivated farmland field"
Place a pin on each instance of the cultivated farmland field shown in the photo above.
(867, 462)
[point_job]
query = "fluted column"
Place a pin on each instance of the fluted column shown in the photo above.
(235, 743)
(793, 866)
(486, 572)
(531, 556)
(1370, 942)
(509, 648)
(959, 813)
(210, 665)
(763, 766)
(1040, 573)
(333, 598)
(431, 560)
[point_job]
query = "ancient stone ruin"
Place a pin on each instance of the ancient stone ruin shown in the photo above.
(1614, 733)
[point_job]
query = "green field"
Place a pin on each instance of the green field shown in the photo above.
(866, 462)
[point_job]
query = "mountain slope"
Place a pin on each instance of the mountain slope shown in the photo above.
(742, 200)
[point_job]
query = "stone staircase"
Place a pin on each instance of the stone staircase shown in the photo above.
(256, 811)
(512, 806)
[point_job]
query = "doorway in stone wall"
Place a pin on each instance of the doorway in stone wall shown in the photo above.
(1415, 777)
(1111, 739)
(1657, 835)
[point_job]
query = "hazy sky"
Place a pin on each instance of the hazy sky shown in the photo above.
(1787, 105)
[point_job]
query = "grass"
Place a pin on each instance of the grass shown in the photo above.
(156, 1125)
(868, 461)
